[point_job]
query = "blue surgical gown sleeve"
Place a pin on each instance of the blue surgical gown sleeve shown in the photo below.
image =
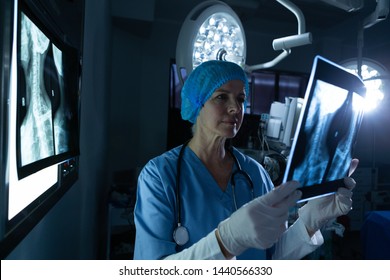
(154, 213)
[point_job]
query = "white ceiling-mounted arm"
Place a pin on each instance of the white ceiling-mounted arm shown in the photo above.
(286, 43)
(381, 12)
(297, 12)
(268, 64)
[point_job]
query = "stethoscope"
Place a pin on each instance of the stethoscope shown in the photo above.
(180, 234)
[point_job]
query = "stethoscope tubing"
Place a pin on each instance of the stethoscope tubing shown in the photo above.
(180, 234)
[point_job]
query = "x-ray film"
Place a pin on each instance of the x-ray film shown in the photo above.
(47, 90)
(326, 132)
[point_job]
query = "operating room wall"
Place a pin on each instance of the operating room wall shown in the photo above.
(139, 90)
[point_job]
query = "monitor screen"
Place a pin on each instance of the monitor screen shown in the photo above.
(47, 97)
(323, 144)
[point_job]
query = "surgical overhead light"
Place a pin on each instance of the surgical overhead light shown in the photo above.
(372, 74)
(213, 31)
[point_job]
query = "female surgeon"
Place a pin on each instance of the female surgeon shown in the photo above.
(207, 200)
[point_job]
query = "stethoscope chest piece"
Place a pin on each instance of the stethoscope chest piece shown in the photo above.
(181, 236)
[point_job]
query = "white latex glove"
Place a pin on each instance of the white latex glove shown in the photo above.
(317, 212)
(259, 223)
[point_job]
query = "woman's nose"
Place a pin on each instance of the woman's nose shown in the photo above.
(235, 106)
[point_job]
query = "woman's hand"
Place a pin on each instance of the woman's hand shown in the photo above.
(259, 223)
(317, 212)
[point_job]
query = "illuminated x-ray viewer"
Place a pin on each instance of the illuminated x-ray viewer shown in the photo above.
(326, 132)
(47, 92)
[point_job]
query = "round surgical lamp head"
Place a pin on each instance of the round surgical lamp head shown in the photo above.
(372, 73)
(211, 31)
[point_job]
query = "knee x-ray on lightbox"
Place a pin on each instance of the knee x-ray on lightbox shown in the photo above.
(326, 132)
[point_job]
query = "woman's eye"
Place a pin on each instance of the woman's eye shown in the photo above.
(241, 99)
(222, 97)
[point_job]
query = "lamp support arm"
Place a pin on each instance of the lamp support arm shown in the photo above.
(286, 43)
(268, 64)
(298, 14)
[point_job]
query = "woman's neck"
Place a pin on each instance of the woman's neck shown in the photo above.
(215, 157)
(208, 149)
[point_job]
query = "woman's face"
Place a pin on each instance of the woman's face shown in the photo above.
(223, 112)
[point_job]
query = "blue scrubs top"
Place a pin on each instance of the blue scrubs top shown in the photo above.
(204, 205)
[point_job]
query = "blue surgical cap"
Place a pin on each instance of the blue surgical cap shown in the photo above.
(202, 83)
